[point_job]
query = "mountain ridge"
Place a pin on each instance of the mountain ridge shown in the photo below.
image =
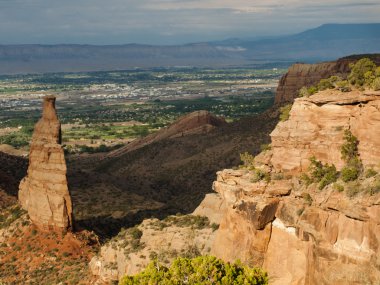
(326, 42)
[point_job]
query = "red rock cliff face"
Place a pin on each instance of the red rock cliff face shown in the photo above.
(301, 74)
(44, 192)
(298, 233)
(317, 125)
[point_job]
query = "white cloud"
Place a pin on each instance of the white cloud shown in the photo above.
(170, 21)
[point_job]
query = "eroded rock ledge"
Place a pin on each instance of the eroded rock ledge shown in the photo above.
(324, 238)
(316, 127)
(298, 233)
(44, 192)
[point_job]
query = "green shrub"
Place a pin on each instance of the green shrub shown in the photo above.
(349, 173)
(350, 154)
(135, 233)
(214, 227)
(205, 270)
(349, 149)
(376, 84)
(325, 84)
(306, 179)
(324, 174)
(312, 90)
(369, 77)
(338, 187)
(375, 187)
(265, 147)
(377, 71)
(285, 112)
(370, 173)
(343, 86)
(303, 92)
(248, 160)
(259, 174)
(361, 70)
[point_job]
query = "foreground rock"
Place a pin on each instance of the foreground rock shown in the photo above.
(133, 249)
(44, 192)
(298, 233)
(319, 238)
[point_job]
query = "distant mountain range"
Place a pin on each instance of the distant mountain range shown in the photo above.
(326, 42)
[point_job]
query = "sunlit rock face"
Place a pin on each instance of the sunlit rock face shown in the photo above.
(44, 191)
(298, 233)
(316, 127)
(328, 239)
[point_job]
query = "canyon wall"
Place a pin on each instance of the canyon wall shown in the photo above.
(298, 233)
(44, 192)
(317, 125)
(301, 74)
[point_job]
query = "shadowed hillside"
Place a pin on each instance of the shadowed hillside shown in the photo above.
(164, 177)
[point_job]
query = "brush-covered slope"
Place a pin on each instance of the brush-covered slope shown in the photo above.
(169, 172)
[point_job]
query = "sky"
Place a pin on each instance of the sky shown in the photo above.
(169, 21)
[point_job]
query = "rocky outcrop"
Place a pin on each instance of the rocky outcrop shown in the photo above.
(316, 127)
(44, 191)
(324, 238)
(301, 74)
(298, 233)
(133, 249)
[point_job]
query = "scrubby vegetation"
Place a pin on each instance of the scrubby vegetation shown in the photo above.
(19, 138)
(352, 179)
(350, 155)
(9, 215)
(364, 74)
(324, 174)
(200, 270)
(285, 112)
(182, 221)
(248, 160)
(265, 147)
(249, 163)
(259, 174)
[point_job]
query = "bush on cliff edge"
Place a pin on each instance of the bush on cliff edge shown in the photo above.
(206, 270)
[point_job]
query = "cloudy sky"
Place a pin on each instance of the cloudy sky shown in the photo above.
(170, 21)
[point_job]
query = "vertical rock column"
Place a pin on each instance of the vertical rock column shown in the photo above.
(44, 192)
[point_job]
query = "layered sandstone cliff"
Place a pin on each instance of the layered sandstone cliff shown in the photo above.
(316, 128)
(44, 191)
(298, 233)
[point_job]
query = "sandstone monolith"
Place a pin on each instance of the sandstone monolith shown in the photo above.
(44, 191)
